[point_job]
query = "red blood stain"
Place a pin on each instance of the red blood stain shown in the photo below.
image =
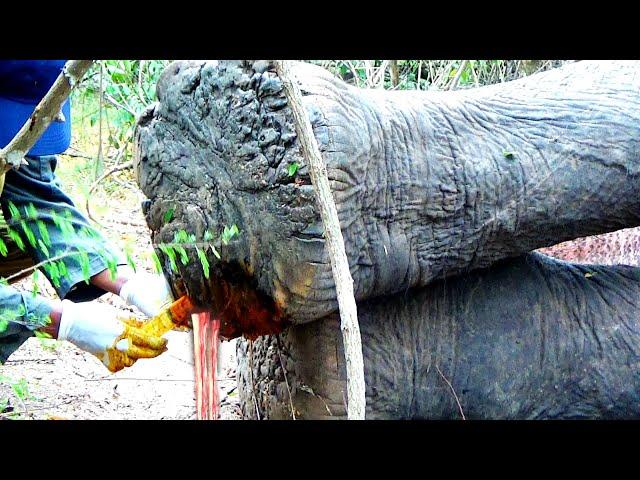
(244, 311)
(205, 343)
(235, 308)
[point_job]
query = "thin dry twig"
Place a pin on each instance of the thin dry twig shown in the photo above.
(38, 265)
(109, 172)
(349, 326)
(452, 391)
(99, 158)
(456, 79)
(48, 110)
(253, 390)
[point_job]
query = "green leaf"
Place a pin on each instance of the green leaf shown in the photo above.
(13, 210)
(3, 248)
(184, 258)
(229, 233)
(509, 155)
(168, 215)
(156, 262)
(84, 265)
(43, 247)
(293, 168)
(130, 260)
(44, 233)
(168, 251)
(215, 252)
(36, 288)
(112, 265)
(181, 236)
(62, 268)
(27, 231)
(54, 273)
(15, 236)
(203, 261)
(208, 236)
(31, 211)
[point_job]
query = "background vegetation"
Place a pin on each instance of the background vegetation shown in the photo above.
(114, 92)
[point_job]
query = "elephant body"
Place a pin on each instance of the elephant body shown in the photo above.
(530, 338)
(440, 197)
(427, 184)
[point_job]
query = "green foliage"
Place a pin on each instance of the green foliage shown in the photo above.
(183, 241)
(433, 74)
(36, 287)
(84, 265)
(15, 236)
(203, 261)
(128, 87)
(171, 254)
(156, 262)
(229, 233)
(168, 215)
(20, 387)
(129, 257)
(46, 340)
(20, 390)
(292, 169)
(43, 247)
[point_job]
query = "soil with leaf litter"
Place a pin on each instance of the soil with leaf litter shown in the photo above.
(62, 381)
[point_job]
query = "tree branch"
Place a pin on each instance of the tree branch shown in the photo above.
(45, 112)
(356, 400)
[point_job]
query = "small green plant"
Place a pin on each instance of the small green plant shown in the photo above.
(46, 340)
(168, 215)
(229, 233)
(293, 168)
(20, 390)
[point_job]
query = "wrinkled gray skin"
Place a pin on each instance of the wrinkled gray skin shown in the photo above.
(427, 184)
(528, 338)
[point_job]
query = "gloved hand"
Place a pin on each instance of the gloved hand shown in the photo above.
(97, 329)
(150, 293)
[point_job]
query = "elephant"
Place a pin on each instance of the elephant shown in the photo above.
(432, 189)
(527, 338)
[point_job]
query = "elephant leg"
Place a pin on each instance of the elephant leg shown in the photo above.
(298, 373)
(530, 338)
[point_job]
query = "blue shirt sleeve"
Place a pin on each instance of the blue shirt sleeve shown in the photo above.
(21, 313)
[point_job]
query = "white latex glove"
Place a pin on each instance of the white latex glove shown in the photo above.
(149, 292)
(99, 329)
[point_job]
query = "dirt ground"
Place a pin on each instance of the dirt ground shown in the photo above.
(64, 382)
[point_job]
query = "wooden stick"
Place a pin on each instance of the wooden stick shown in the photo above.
(45, 112)
(335, 243)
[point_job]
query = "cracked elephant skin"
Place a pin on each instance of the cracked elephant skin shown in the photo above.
(428, 185)
(528, 338)
(439, 195)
